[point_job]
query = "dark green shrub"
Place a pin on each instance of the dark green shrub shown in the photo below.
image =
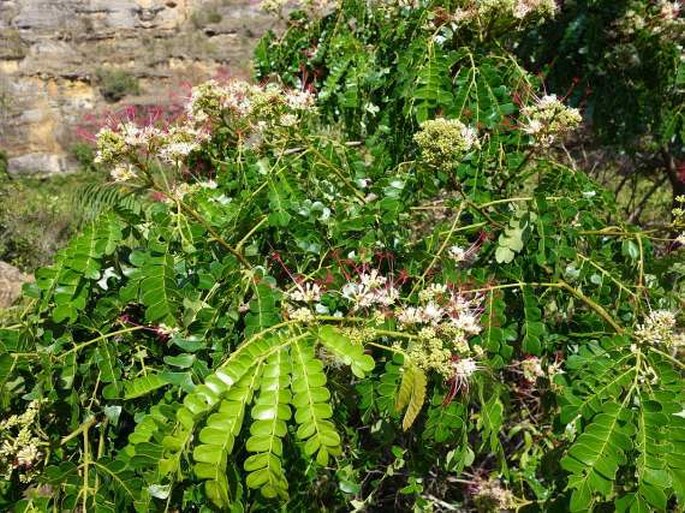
(388, 297)
(84, 154)
(115, 84)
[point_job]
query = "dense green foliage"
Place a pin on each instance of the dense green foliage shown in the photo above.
(623, 62)
(388, 296)
(38, 216)
(116, 84)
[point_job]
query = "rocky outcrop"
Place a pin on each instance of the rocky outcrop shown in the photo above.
(55, 53)
(11, 281)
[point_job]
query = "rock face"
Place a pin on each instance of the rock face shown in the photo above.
(11, 281)
(59, 58)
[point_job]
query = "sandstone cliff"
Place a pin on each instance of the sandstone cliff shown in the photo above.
(55, 53)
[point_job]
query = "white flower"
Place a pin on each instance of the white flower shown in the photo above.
(457, 253)
(432, 313)
(299, 100)
(175, 151)
(272, 6)
(532, 369)
(310, 293)
(373, 289)
(549, 118)
(123, 173)
(167, 331)
(669, 10)
(658, 329)
(533, 127)
(208, 184)
(288, 120)
(387, 296)
(464, 368)
(409, 315)
(27, 455)
(468, 323)
(459, 304)
(543, 8)
(351, 291)
(179, 191)
(372, 280)
(432, 292)
(133, 136)
(302, 315)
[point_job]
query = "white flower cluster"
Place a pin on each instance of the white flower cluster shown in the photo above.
(669, 11)
(239, 100)
(314, 8)
(538, 8)
(662, 18)
(533, 368)
(20, 445)
(438, 325)
(519, 10)
(302, 303)
(490, 495)
(254, 113)
(444, 310)
(307, 293)
(659, 329)
(445, 142)
(370, 290)
(179, 191)
(548, 119)
(129, 146)
(444, 321)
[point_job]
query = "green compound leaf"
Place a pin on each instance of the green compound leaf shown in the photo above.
(263, 312)
(270, 413)
(652, 474)
(110, 371)
(594, 459)
(144, 385)
(512, 240)
(311, 400)
(158, 290)
(218, 436)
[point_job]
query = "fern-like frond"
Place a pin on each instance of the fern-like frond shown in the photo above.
(65, 285)
(653, 478)
(218, 437)
(158, 290)
(311, 399)
(93, 199)
(594, 459)
(270, 413)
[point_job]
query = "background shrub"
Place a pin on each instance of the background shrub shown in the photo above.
(116, 84)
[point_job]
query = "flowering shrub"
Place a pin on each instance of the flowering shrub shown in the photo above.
(434, 316)
(623, 63)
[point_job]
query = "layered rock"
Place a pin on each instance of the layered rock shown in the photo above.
(55, 53)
